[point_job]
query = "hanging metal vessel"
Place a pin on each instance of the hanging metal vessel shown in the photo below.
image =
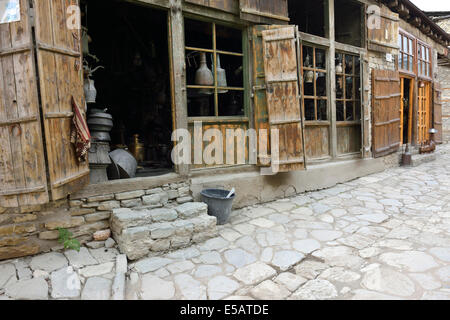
(89, 90)
(221, 77)
(204, 76)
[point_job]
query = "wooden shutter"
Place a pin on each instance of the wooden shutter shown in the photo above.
(60, 75)
(384, 38)
(22, 163)
(437, 113)
(263, 11)
(386, 96)
(282, 96)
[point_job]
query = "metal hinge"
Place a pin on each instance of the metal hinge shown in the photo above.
(257, 88)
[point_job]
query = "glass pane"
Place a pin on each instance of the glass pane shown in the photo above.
(405, 61)
(308, 83)
(411, 63)
(230, 71)
(231, 103)
(321, 84)
(322, 113)
(400, 61)
(428, 54)
(405, 44)
(308, 57)
(339, 87)
(339, 111)
(400, 41)
(428, 70)
(424, 53)
(348, 64)
(309, 110)
(199, 71)
(199, 104)
(320, 59)
(339, 63)
(410, 47)
(198, 34)
(349, 87)
(228, 39)
(349, 111)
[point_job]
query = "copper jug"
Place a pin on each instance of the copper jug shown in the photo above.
(137, 149)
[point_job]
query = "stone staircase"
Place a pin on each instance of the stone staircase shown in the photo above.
(141, 231)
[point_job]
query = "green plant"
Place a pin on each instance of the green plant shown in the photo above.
(65, 237)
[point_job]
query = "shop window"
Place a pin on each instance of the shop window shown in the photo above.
(423, 60)
(348, 16)
(214, 69)
(314, 72)
(406, 55)
(348, 87)
(308, 15)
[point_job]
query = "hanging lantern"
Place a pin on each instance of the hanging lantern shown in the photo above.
(221, 77)
(204, 76)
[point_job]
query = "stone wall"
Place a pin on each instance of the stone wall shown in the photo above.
(444, 80)
(33, 229)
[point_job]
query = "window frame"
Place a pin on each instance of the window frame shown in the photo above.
(216, 117)
(428, 62)
(314, 97)
(403, 34)
(357, 103)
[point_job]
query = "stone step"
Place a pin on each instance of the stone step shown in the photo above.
(419, 159)
(140, 232)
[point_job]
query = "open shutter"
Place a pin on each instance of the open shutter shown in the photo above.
(263, 11)
(60, 74)
(383, 37)
(22, 163)
(437, 113)
(282, 96)
(386, 97)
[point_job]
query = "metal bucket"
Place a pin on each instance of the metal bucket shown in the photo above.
(218, 205)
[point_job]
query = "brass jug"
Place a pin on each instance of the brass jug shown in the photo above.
(137, 149)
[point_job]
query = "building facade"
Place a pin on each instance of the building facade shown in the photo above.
(346, 84)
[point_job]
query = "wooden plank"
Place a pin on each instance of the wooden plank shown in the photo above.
(282, 95)
(437, 113)
(59, 60)
(264, 12)
(386, 96)
(22, 166)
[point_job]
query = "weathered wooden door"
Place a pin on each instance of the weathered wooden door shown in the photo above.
(276, 94)
(59, 59)
(57, 77)
(386, 94)
(437, 112)
(22, 163)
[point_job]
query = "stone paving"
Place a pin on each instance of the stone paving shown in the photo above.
(384, 236)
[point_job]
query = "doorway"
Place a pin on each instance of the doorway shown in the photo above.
(406, 110)
(130, 43)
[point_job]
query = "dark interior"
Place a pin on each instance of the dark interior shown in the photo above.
(309, 15)
(131, 44)
(348, 30)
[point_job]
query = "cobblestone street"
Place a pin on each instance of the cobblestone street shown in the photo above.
(385, 236)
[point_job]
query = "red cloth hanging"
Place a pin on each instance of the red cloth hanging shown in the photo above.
(80, 136)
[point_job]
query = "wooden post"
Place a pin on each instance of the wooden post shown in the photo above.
(332, 76)
(178, 64)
